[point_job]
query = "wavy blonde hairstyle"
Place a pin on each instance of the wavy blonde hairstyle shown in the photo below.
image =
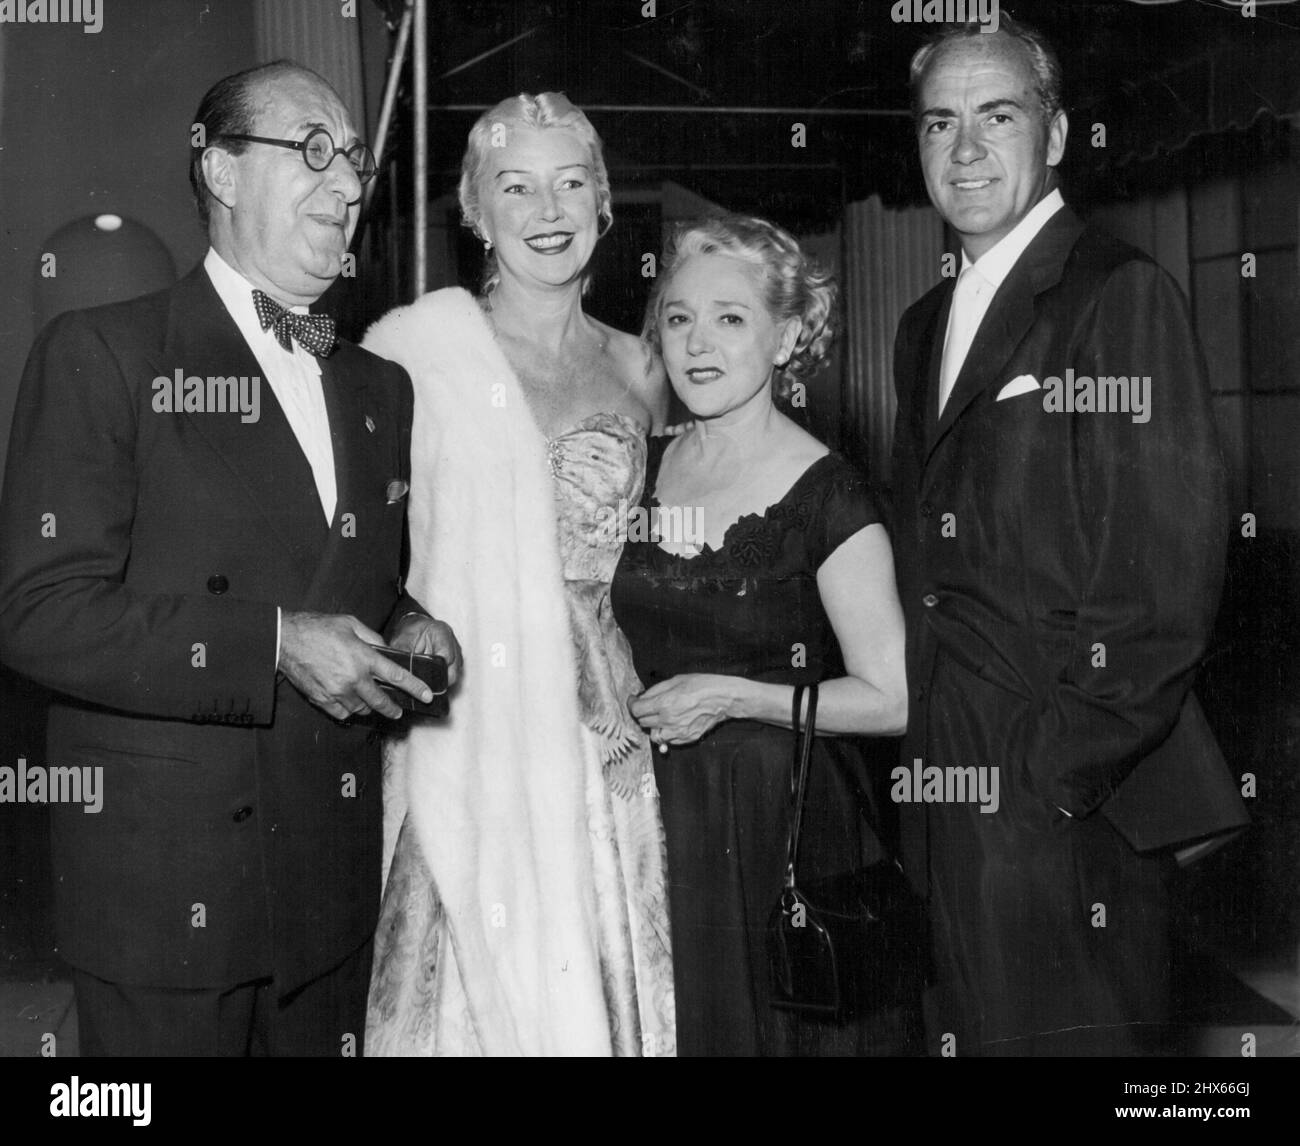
(547, 110)
(794, 285)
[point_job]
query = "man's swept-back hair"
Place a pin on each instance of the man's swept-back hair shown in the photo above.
(230, 107)
(1043, 61)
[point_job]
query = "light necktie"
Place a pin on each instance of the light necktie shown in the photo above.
(313, 332)
(962, 326)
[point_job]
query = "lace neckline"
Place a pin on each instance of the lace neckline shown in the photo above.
(755, 534)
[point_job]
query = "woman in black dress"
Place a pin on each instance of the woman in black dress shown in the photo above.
(766, 567)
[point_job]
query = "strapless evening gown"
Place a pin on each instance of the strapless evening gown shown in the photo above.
(417, 1004)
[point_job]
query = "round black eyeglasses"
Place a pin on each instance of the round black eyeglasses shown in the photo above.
(318, 151)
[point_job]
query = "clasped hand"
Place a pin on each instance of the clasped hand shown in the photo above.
(331, 660)
(683, 708)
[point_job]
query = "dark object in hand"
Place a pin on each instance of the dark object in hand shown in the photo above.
(432, 670)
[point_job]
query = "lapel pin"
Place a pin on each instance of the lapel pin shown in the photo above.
(396, 490)
(370, 423)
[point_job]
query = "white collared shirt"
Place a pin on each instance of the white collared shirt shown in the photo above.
(987, 274)
(294, 378)
(293, 375)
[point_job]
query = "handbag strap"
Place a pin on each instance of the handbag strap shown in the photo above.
(803, 741)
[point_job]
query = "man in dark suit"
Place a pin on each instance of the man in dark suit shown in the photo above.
(203, 515)
(1060, 528)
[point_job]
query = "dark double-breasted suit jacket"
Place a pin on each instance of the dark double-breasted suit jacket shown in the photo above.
(145, 553)
(1060, 573)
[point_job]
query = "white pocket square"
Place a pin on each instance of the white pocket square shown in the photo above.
(1025, 384)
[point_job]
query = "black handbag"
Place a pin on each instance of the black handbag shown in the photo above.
(848, 945)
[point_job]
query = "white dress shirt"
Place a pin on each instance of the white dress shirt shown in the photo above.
(979, 282)
(294, 378)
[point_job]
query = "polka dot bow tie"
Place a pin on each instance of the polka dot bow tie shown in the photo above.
(313, 332)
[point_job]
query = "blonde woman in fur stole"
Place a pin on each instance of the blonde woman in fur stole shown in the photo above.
(525, 906)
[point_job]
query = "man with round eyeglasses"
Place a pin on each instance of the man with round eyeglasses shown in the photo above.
(202, 585)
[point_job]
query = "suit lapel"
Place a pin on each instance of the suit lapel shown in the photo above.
(916, 367)
(344, 399)
(345, 392)
(1007, 321)
(1005, 324)
(264, 455)
(932, 362)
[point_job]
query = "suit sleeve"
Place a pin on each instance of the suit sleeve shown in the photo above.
(1154, 512)
(68, 617)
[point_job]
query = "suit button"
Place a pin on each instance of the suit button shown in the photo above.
(927, 510)
(240, 816)
(920, 693)
(929, 600)
(218, 584)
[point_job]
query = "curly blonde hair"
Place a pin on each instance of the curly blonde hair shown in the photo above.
(794, 285)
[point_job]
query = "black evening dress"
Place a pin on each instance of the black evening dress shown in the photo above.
(751, 608)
